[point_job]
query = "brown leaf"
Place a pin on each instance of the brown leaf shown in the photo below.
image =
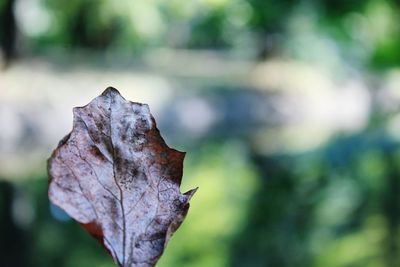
(115, 175)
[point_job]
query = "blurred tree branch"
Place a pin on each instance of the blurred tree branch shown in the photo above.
(8, 30)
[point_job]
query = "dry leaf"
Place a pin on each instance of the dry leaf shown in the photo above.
(115, 175)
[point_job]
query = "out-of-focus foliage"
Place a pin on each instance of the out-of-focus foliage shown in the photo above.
(365, 32)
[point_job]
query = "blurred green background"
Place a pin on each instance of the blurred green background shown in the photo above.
(288, 111)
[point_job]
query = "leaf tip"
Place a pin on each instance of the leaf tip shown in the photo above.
(110, 91)
(189, 194)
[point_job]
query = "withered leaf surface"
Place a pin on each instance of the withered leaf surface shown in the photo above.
(115, 175)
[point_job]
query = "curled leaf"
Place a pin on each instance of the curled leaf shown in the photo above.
(115, 175)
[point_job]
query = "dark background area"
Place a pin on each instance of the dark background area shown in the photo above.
(288, 111)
